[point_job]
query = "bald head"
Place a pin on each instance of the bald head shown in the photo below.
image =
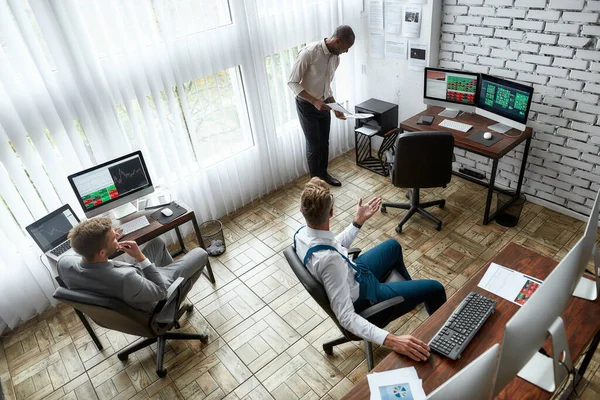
(341, 40)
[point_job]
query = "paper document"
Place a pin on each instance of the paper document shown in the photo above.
(375, 14)
(411, 26)
(365, 130)
(338, 107)
(377, 44)
(403, 383)
(509, 284)
(393, 16)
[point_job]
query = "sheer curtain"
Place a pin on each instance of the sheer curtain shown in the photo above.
(198, 86)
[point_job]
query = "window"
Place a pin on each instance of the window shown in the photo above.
(279, 67)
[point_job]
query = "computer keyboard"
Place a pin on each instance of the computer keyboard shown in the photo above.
(61, 248)
(134, 225)
(457, 126)
(462, 325)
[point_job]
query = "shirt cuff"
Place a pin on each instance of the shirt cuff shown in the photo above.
(379, 336)
(353, 229)
(145, 263)
(296, 88)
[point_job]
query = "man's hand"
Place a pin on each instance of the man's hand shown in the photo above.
(339, 115)
(363, 213)
(131, 247)
(408, 345)
(118, 233)
(320, 105)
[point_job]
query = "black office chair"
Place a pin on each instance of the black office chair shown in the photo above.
(112, 313)
(422, 160)
(379, 314)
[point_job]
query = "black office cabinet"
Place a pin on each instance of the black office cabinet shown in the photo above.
(385, 120)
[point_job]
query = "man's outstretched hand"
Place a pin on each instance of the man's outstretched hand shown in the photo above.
(408, 345)
(366, 211)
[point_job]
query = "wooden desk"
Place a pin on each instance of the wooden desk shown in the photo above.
(495, 151)
(581, 322)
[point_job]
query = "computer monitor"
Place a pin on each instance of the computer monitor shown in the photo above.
(112, 184)
(473, 382)
(503, 101)
(454, 90)
(528, 329)
(586, 288)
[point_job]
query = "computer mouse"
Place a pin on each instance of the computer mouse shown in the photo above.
(166, 212)
(487, 136)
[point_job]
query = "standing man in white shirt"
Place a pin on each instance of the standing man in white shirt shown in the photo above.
(344, 286)
(310, 81)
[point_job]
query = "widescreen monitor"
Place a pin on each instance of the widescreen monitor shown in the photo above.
(112, 184)
(504, 101)
(454, 90)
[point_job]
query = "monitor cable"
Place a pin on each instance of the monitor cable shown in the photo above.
(48, 270)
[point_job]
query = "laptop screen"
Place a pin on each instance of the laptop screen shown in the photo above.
(53, 229)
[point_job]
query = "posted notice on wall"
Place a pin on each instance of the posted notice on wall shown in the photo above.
(411, 24)
(417, 57)
(509, 284)
(377, 44)
(393, 16)
(395, 47)
(375, 14)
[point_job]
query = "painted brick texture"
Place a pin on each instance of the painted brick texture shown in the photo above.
(553, 45)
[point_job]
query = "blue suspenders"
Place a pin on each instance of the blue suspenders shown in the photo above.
(368, 283)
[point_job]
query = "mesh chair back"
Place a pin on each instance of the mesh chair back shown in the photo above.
(423, 159)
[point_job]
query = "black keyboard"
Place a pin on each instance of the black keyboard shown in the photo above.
(463, 324)
(58, 250)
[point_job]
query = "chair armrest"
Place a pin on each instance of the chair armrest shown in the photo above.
(171, 294)
(379, 307)
(354, 252)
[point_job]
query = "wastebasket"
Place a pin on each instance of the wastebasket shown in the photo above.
(509, 217)
(212, 235)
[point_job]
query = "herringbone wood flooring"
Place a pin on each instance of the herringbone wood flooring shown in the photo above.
(265, 331)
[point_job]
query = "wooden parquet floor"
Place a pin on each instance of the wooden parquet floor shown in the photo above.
(265, 332)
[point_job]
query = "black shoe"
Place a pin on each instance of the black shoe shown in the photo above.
(331, 180)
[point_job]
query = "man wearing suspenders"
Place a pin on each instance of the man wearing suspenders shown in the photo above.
(353, 284)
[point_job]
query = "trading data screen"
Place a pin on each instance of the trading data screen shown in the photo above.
(101, 185)
(504, 100)
(451, 86)
(54, 229)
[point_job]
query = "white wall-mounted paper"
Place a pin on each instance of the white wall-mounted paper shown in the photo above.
(395, 47)
(375, 14)
(411, 24)
(377, 44)
(393, 16)
(417, 57)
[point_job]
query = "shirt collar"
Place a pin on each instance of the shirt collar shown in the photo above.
(321, 234)
(86, 265)
(324, 46)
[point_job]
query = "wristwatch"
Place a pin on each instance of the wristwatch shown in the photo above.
(356, 224)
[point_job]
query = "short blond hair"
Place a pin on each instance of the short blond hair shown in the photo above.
(89, 237)
(316, 202)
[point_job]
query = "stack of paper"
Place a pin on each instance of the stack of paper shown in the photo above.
(339, 108)
(367, 130)
(403, 383)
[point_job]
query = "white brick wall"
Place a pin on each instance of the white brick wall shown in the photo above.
(555, 46)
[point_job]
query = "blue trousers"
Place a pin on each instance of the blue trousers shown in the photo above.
(386, 256)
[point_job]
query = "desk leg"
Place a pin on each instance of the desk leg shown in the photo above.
(523, 165)
(181, 244)
(579, 372)
(488, 203)
(211, 276)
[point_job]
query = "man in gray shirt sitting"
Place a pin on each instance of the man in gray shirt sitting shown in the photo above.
(137, 281)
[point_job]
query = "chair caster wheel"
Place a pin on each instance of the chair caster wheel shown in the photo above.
(383, 210)
(122, 357)
(189, 308)
(443, 204)
(161, 373)
(398, 229)
(204, 339)
(408, 194)
(177, 326)
(328, 350)
(439, 227)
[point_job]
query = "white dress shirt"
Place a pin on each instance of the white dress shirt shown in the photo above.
(334, 273)
(313, 71)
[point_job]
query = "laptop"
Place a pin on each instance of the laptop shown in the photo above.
(50, 233)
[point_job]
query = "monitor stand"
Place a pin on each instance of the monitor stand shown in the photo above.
(124, 210)
(586, 288)
(449, 113)
(500, 128)
(547, 372)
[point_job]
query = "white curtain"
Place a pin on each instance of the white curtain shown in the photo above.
(198, 85)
